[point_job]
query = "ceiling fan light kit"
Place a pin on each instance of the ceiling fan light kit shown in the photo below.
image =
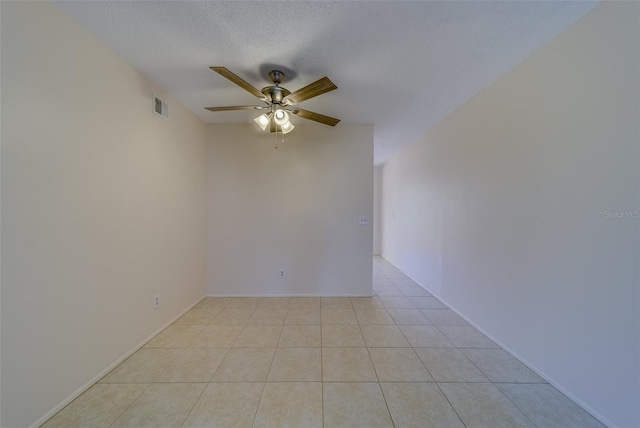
(287, 127)
(281, 117)
(278, 101)
(263, 120)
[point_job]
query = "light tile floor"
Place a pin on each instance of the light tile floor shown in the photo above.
(401, 359)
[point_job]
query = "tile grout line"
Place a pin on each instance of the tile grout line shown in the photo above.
(434, 381)
(255, 414)
(438, 386)
(514, 404)
(376, 373)
(379, 385)
(195, 402)
(321, 368)
(264, 383)
(127, 408)
(450, 404)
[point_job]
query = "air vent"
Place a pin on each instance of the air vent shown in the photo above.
(160, 107)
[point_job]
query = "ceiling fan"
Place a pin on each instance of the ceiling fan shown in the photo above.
(279, 101)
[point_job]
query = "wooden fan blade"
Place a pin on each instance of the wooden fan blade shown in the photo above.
(238, 81)
(314, 89)
(229, 108)
(317, 117)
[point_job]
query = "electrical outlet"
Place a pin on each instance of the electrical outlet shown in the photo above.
(363, 220)
(281, 273)
(156, 301)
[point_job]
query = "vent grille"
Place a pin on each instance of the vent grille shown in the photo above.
(160, 107)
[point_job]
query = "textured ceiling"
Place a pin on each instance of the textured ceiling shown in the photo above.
(402, 66)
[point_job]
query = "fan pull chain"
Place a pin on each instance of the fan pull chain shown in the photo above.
(276, 145)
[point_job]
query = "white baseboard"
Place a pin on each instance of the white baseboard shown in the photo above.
(290, 295)
(104, 372)
(533, 368)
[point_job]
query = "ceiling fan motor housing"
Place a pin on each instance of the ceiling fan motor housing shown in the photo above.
(275, 93)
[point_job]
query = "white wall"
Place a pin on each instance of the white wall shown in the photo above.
(377, 209)
(103, 206)
(500, 210)
(294, 208)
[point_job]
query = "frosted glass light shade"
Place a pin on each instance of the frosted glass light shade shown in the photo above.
(281, 117)
(287, 127)
(262, 121)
